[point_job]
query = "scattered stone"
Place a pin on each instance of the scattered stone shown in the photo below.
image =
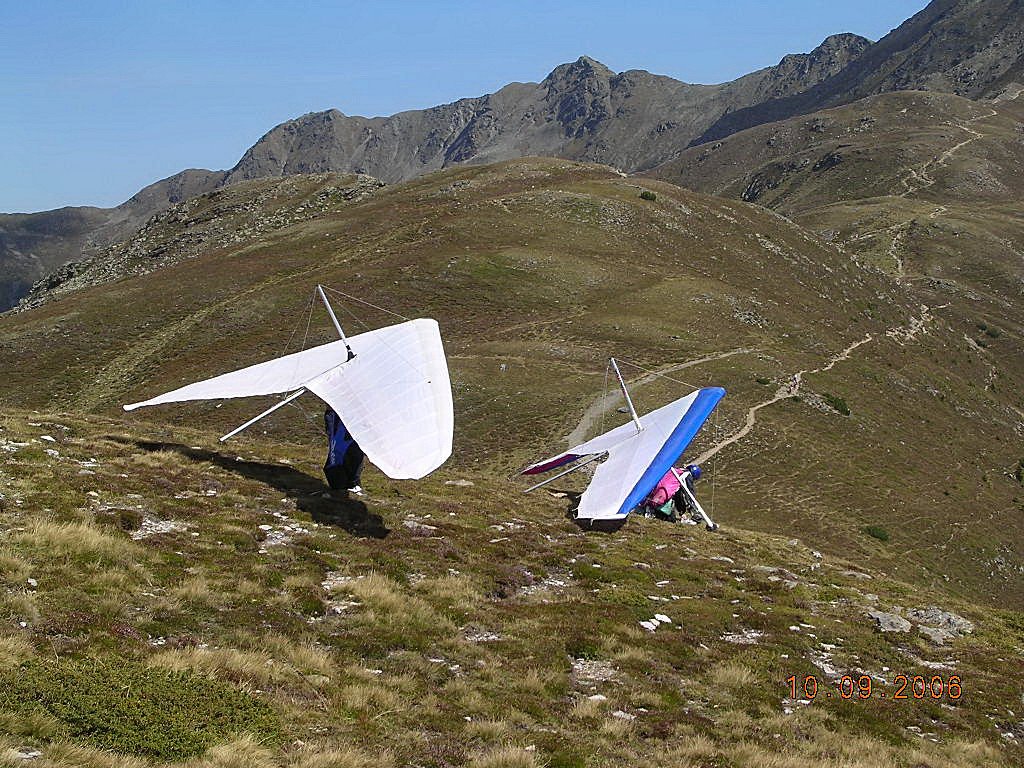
(592, 671)
(890, 622)
(152, 526)
(474, 635)
(32, 583)
(663, 618)
(623, 715)
(48, 438)
(855, 575)
(598, 697)
(936, 617)
(334, 579)
(746, 637)
(25, 753)
(419, 529)
(459, 483)
(938, 635)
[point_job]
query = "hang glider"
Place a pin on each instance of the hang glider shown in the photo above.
(636, 455)
(390, 387)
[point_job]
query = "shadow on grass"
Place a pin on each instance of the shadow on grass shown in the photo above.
(348, 514)
(601, 526)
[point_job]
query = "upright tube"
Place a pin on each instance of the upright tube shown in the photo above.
(625, 392)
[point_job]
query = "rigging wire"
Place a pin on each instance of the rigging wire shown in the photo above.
(714, 463)
(657, 373)
(604, 394)
(367, 303)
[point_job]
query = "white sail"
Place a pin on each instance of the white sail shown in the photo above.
(637, 460)
(394, 396)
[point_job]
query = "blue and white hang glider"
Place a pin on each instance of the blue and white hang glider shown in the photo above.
(636, 455)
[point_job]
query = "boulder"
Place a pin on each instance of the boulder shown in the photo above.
(890, 622)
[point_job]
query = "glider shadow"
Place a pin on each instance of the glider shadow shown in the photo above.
(350, 515)
(600, 526)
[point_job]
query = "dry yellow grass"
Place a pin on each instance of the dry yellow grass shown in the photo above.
(243, 752)
(731, 675)
(505, 757)
(388, 606)
(458, 590)
(586, 708)
(616, 727)
(14, 571)
(248, 668)
(61, 755)
(335, 756)
(79, 540)
(35, 725)
(22, 606)
(306, 658)
(537, 681)
(14, 650)
(373, 697)
(488, 729)
(163, 459)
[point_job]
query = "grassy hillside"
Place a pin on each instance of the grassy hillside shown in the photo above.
(175, 603)
(860, 425)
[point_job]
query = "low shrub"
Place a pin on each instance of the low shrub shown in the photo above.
(877, 532)
(128, 708)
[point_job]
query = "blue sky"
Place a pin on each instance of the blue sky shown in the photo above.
(99, 98)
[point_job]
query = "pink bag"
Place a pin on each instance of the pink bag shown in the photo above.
(664, 490)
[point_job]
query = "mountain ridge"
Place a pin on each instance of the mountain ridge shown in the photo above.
(576, 97)
(633, 121)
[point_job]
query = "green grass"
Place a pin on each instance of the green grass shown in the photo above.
(120, 706)
(876, 532)
(212, 640)
(488, 617)
(836, 403)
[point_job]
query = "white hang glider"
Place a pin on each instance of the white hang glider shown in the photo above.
(389, 386)
(636, 455)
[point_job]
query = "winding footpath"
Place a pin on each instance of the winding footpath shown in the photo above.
(608, 401)
(787, 390)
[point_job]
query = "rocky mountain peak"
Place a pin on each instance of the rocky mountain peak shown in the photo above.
(833, 54)
(579, 95)
(584, 68)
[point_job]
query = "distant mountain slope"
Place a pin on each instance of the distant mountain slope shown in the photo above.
(927, 185)
(34, 244)
(971, 48)
(869, 148)
(538, 270)
(632, 121)
(581, 111)
(239, 213)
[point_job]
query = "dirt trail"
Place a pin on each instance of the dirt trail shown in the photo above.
(898, 334)
(916, 179)
(608, 401)
(787, 390)
(921, 176)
